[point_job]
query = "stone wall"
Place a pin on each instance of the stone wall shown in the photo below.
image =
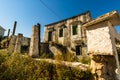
(99, 39)
(12, 44)
(17, 42)
(44, 48)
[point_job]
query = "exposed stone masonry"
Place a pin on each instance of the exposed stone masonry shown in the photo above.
(12, 45)
(68, 39)
(18, 43)
(35, 41)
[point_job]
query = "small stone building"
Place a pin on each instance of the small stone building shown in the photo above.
(69, 33)
(97, 37)
(2, 30)
(18, 44)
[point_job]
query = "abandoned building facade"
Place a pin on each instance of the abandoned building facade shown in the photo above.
(69, 33)
(95, 37)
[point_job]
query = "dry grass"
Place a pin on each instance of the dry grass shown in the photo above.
(18, 67)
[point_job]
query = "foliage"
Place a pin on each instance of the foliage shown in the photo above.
(4, 40)
(118, 51)
(117, 41)
(84, 59)
(66, 57)
(72, 58)
(44, 56)
(18, 67)
(3, 56)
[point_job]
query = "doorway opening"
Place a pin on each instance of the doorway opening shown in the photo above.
(50, 36)
(78, 50)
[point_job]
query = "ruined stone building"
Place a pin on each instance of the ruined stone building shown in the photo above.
(81, 35)
(96, 37)
(18, 44)
(69, 33)
(101, 44)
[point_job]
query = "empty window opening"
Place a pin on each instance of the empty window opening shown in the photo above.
(78, 50)
(117, 42)
(50, 36)
(74, 30)
(61, 32)
(24, 49)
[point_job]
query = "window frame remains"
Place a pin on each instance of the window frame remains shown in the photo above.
(61, 32)
(74, 30)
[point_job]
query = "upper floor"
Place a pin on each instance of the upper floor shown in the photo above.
(68, 31)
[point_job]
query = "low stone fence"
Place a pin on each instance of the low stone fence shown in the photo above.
(78, 65)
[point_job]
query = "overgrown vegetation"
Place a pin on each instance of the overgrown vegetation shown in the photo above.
(118, 51)
(3, 56)
(66, 57)
(84, 59)
(18, 67)
(118, 48)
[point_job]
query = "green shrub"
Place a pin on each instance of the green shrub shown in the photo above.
(66, 57)
(3, 56)
(118, 51)
(18, 67)
(84, 59)
(45, 55)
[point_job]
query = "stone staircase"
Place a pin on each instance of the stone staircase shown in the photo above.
(57, 49)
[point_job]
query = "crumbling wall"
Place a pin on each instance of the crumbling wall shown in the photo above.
(12, 44)
(99, 39)
(34, 50)
(16, 43)
(44, 48)
(101, 47)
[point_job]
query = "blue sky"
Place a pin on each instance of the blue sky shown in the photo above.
(30, 12)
